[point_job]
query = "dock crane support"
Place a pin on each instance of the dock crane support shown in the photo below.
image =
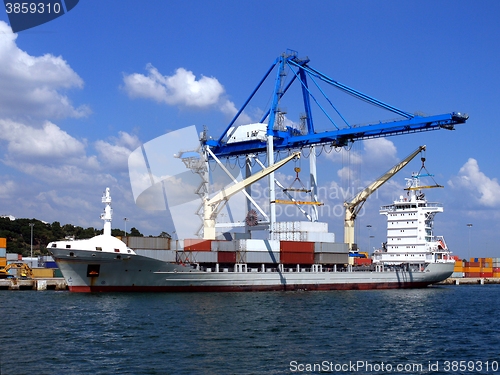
(353, 207)
(212, 205)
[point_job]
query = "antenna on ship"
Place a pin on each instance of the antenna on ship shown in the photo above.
(108, 213)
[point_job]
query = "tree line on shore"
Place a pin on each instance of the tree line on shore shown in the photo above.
(19, 236)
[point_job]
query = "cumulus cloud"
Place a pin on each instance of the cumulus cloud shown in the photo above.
(486, 191)
(182, 88)
(26, 143)
(31, 86)
(114, 154)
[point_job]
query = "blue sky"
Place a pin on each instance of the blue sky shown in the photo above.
(80, 93)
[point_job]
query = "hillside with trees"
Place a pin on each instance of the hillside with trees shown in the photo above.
(18, 234)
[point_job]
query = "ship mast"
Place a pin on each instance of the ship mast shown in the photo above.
(108, 213)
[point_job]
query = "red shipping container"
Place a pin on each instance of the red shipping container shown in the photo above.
(496, 269)
(197, 245)
(296, 247)
(297, 258)
(226, 257)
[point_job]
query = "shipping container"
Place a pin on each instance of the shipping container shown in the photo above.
(457, 275)
(331, 258)
(3, 242)
(50, 265)
(3, 252)
(472, 269)
(3, 262)
(226, 256)
(164, 255)
(258, 245)
(197, 257)
(154, 243)
(57, 273)
(316, 237)
(297, 258)
(258, 257)
(296, 247)
(197, 245)
(224, 245)
(13, 257)
(328, 247)
(300, 226)
(362, 261)
(42, 273)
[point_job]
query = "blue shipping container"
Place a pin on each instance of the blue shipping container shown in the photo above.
(50, 265)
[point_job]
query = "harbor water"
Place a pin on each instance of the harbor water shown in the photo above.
(435, 330)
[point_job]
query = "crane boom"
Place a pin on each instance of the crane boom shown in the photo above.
(211, 205)
(289, 137)
(353, 207)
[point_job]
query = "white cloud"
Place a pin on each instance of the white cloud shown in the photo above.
(486, 191)
(26, 143)
(181, 88)
(30, 86)
(115, 154)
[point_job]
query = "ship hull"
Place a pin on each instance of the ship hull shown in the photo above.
(93, 271)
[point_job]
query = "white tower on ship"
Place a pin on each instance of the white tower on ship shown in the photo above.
(108, 213)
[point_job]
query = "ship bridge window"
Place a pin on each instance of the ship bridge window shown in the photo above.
(68, 246)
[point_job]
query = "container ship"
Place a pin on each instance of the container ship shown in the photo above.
(303, 257)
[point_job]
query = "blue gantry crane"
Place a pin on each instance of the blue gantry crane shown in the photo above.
(271, 134)
(286, 137)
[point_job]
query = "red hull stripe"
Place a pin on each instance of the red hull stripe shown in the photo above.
(250, 288)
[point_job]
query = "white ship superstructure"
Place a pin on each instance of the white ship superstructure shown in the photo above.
(410, 236)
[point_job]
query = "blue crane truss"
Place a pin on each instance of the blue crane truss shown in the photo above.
(286, 138)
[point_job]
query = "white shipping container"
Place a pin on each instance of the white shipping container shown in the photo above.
(300, 226)
(287, 236)
(164, 255)
(258, 245)
(329, 247)
(317, 237)
(12, 256)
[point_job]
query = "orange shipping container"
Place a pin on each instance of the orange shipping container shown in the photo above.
(496, 274)
(3, 262)
(296, 247)
(3, 242)
(297, 258)
(472, 269)
(197, 245)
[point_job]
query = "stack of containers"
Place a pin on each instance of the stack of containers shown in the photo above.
(294, 252)
(486, 267)
(481, 267)
(472, 268)
(458, 271)
(3, 252)
(197, 251)
(496, 267)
